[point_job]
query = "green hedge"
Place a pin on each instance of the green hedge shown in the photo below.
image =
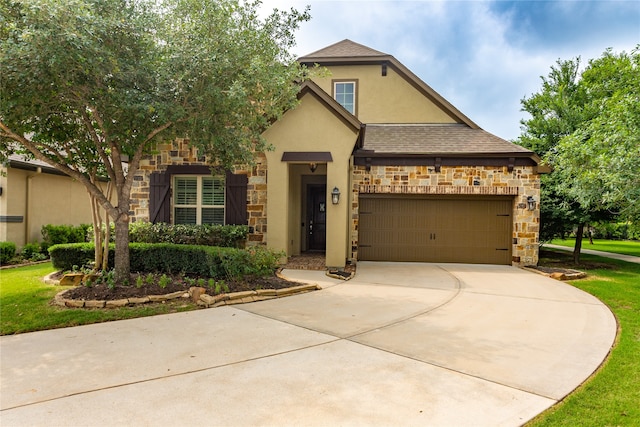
(7, 251)
(207, 261)
(228, 236)
(59, 234)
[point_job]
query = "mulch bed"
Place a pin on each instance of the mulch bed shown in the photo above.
(564, 260)
(178, 283)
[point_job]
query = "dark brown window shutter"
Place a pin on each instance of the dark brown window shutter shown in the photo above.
(159, 197)
(236, 199)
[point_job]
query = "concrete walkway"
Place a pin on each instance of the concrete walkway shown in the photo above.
(622, 257)
(400, 344)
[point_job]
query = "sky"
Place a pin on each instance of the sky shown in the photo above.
(482, 56)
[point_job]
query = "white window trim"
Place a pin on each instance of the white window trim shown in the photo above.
(355, 93)
(198, 206)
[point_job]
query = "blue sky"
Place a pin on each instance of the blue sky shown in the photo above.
(482, 56)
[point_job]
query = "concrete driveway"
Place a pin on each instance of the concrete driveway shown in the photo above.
(400, 344)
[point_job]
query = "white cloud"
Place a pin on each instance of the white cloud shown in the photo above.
(481, 56)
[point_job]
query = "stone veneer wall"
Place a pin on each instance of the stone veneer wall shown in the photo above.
(519, 183)
(179, 152)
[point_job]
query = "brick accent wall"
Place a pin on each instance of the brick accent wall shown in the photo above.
(179, 152)
(519, 183)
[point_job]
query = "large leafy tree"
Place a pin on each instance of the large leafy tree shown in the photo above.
(584, 124)
(556, 112)
(600, 161)
(90, 86)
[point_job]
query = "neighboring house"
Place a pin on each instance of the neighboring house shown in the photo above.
(33, 194)
(417, 179)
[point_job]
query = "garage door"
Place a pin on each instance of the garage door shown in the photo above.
(466, 230)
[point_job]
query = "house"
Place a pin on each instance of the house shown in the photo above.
(33, 194)
(372, 164)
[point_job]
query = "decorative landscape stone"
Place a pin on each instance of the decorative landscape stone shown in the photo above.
(71, 279)
(204, 300)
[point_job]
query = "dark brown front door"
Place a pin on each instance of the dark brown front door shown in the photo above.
(317, 217)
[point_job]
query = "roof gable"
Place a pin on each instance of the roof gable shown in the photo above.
(348, 52)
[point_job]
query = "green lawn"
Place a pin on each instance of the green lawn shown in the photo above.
(626, 247)
(612, 396)
(25, 304)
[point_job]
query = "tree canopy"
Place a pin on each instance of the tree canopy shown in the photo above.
(91, 86)
(600, 160)
(586, 125)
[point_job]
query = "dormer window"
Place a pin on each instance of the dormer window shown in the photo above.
(345, 93)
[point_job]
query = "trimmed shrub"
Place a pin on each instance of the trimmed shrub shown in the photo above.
(33, 252)
(60, 234)
(206, 261)
(7, 251)
(227, 236)
(69, 255)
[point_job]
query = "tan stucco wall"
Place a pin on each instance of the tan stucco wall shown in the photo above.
(520, 183)
(41, 199)
(309, 127)
(384, 99)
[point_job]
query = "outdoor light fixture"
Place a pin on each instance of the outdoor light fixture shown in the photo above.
(313, 166)
(531, 203)
(335, 195)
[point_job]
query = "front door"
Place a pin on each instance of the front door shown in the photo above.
(317, 217)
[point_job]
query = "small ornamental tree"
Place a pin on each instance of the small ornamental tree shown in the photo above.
(91, 86)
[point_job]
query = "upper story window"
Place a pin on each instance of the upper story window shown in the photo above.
(345, 93)
(198, 200)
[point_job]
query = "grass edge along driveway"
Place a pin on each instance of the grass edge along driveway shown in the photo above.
(611, 397)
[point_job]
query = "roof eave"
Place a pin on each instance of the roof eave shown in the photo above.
(519, 154)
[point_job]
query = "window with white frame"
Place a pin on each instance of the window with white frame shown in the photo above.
(198, 200)
(345, 94)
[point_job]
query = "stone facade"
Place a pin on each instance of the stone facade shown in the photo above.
(519, 183)
(179, 152)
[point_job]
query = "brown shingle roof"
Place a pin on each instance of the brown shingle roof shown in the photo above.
(345, 48)
(435, 139)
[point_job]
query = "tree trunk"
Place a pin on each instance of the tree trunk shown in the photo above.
(121, 262)
(97, 233)
(578, 246)
(105, 243)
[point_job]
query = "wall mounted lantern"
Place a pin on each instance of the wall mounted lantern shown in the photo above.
(335, 195)
(313, 166)
(531, 203)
